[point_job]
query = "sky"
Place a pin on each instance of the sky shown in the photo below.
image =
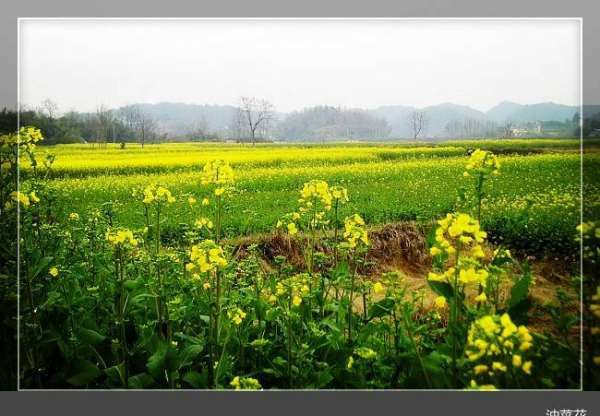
(83, 64)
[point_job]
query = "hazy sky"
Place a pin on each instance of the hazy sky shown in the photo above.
(81, 64)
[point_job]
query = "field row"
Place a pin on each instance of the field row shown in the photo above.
(92, 160)
(381, 192)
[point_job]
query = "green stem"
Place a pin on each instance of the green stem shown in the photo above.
(289, 340)
(414, 345)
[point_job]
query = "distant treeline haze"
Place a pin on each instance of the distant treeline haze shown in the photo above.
(255, 120)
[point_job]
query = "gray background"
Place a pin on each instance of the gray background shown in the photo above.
(291, 403)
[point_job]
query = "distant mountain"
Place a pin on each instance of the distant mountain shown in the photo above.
(503, 111)
(437, 116)
(510, 111)
(326, 123)
(396, 116)
(179, 119)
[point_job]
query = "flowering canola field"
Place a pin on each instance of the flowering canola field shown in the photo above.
(134, 273)
(388, 183)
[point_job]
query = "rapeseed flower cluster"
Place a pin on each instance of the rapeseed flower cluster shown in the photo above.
(460, 236)
(355, 233)
(482, 162)
(316, 198)
(157, 194)
(217, 172)
(245, 383)
(205, 257)
(459, 231)
(289, 220)
(203, 222)
(5, 166)
(236, 315)
(121, 238)
(365, 353)
(466, 276)
(339, 194)
(589, 236)
(474, 386)
(26, 137)
(296, 288)
(23, 199)
(495, 346)
(315, 192)
(440, 302)
(378, 288)
(268, 296)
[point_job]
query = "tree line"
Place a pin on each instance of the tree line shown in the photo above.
(256, 120)
(128, 124)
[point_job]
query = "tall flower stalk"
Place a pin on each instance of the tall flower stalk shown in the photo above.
(459, 244)
(122, 241)
(206, 260)
(157, 197)
(355, 245)
(481, 165)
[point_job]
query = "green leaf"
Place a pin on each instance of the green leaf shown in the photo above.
(382, 308)
(323, 379)
(196, 380)
(132, 284)
(189, 353)
(156, 362)
(89, 336)
(280, 361)
(520, 291)
(42, 265)
(519, 303)
(115, 374)
(341, 270)
(84, 373)
(442, 288)
(140, 381)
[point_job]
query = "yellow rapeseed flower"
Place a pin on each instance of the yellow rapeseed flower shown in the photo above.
(121, 238)
(517, 360)
(217, 172)
(292, 229)
(378, 288)
(440, 302)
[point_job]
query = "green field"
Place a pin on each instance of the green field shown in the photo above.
(387, 183)
(287, 282)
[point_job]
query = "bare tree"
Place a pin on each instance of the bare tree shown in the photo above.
(237, 124)
(49, 108)
(103, 122)
(198, 129)
(417, 123)
(146, 126)
(507, 129)
(130, 115)
(257, 113)
(139, 121)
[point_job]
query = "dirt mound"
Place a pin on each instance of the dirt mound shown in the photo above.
(392, 245)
